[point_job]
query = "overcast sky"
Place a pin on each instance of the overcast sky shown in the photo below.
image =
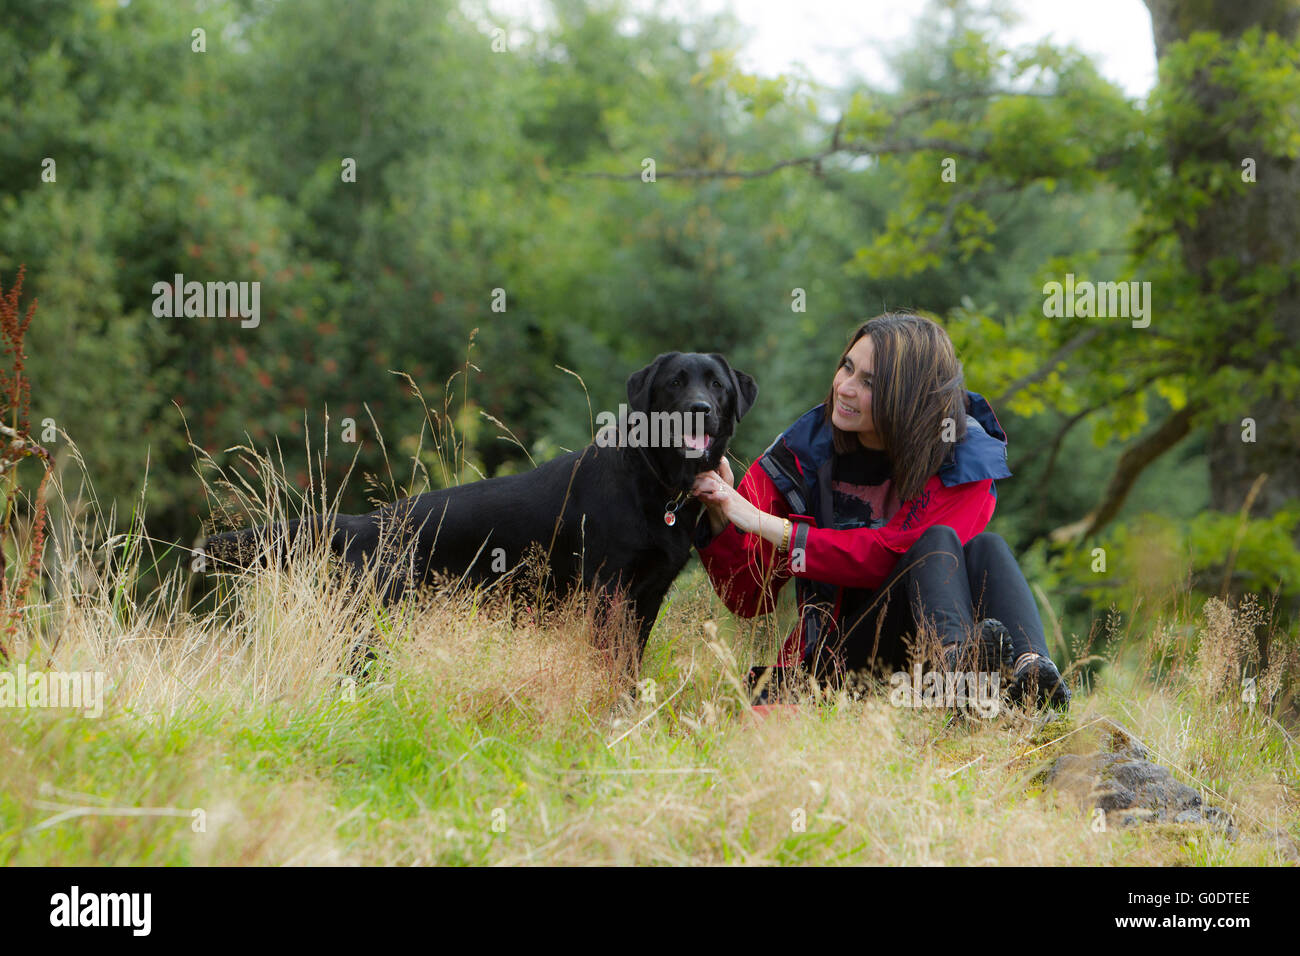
(836, 39)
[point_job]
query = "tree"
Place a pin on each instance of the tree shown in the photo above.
(1227, 116)
(1218, 247)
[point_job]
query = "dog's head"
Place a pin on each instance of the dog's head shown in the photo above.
(697, 399)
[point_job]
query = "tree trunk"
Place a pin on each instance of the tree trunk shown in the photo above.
(1259, 227)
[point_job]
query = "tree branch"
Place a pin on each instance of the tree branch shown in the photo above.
(876, 149)
(1131, 465)
(1073, 420)
(924, 102)
(1064, 352)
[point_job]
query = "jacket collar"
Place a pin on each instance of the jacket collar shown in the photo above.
(803, 451)
(983, 453)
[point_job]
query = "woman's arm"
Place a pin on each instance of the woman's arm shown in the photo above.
(746, 570)
(741, 507)
(864, 557)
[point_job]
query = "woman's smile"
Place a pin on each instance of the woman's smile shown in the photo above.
(852, 386)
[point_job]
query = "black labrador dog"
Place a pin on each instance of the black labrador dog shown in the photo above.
(614, 517)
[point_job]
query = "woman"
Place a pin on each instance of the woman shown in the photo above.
(875, 502)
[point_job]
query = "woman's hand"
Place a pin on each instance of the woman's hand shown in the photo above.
(706, 483)
(724, 470)
(723, 502)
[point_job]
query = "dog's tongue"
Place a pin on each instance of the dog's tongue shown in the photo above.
(698, 442)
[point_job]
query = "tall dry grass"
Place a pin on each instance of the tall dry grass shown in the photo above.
(496, 730)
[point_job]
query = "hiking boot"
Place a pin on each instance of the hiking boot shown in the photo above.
(993, 652)
(1037, 678)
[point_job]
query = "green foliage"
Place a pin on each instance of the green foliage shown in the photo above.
(1153, 561)
(480, 169)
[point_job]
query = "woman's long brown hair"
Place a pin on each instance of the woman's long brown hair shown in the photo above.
(917, 387)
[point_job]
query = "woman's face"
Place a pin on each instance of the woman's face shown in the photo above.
(852, 408)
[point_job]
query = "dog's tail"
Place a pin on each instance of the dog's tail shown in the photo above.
(260, 546)
(272, 545)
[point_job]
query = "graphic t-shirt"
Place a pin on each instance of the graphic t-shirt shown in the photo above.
(862, 493)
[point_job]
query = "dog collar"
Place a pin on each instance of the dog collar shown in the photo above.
(672, 506)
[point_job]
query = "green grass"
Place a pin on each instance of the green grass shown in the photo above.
(481, 741)
(232, 737)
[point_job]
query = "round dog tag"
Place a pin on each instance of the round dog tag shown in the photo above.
(670, 519)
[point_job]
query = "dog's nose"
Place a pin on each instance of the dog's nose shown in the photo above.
(703, 408)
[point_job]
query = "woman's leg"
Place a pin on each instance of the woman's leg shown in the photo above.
(929, 582)
(999, 590)
(950, 586)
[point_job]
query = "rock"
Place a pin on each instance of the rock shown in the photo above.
(1133, 817)
(1077, 775)
(1155, 787)
(1222, 820)
(1123, 742)
(1286, 845)
(1112, 796)
(1127, 784)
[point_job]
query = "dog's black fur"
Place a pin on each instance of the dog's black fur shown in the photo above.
(597, 514)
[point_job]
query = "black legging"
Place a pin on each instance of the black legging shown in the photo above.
(952, 586)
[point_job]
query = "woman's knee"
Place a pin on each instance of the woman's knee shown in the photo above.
(985, 547)
(939, 547)
(940, 537)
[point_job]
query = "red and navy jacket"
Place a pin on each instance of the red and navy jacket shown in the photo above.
(792, 479)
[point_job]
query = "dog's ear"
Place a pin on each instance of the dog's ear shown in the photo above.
(745, 387)
(642, 381)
